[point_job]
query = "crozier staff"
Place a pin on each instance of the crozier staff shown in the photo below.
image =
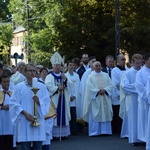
(22, 111)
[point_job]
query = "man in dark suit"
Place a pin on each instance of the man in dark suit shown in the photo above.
(78, 69)
(85, 59)
(109, 61)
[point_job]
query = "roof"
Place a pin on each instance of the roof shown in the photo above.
(19, 29)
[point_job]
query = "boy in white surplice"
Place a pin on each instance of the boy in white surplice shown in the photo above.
(6, 127)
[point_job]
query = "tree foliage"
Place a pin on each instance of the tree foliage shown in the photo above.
(4, 12)
(74, 27)
(85, 27)
(6, 31)
(135, 26)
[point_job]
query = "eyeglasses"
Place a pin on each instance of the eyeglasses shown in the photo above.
(123, 59)
(31, 71)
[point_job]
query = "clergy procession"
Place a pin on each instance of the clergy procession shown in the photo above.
(39, 105)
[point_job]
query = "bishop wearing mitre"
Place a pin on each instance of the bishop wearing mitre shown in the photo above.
(59, 87)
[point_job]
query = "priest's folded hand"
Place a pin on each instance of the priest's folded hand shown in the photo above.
(102, 91)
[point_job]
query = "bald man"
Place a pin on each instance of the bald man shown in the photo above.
(97, 102)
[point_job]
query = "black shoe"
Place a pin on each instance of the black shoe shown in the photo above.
(139, 144)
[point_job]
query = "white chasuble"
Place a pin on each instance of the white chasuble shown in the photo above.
(101, 105)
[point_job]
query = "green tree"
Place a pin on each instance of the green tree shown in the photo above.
(5, 31)
(40, 35)
(84, 26)
(5, 15)
(135, 26)
(6, 35)
(74, 27)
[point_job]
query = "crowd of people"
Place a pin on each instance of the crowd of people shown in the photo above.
(38, 104)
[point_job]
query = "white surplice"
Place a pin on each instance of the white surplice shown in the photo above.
(131, 104)
(6, 127)
(22, 100)
(98, 108)
(48, 128)
(123, 110)
(75, 90)
(116, 75)
(143, 106)
(11, 88)
(82, 89)
(148, 124)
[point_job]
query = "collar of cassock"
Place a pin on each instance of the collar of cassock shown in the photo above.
(2, 95)
(97, 73)
(121, 68)
(28, 84)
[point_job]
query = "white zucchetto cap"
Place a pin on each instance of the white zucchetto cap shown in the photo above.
(56, 59)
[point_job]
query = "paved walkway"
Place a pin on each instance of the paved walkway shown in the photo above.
(84, 142)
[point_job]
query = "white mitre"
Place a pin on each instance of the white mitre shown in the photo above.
(56, 59)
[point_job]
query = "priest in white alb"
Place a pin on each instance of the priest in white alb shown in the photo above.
(143, 106)
(97, 109)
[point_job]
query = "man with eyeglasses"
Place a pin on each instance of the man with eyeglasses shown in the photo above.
(116, 76)
(22, 111)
